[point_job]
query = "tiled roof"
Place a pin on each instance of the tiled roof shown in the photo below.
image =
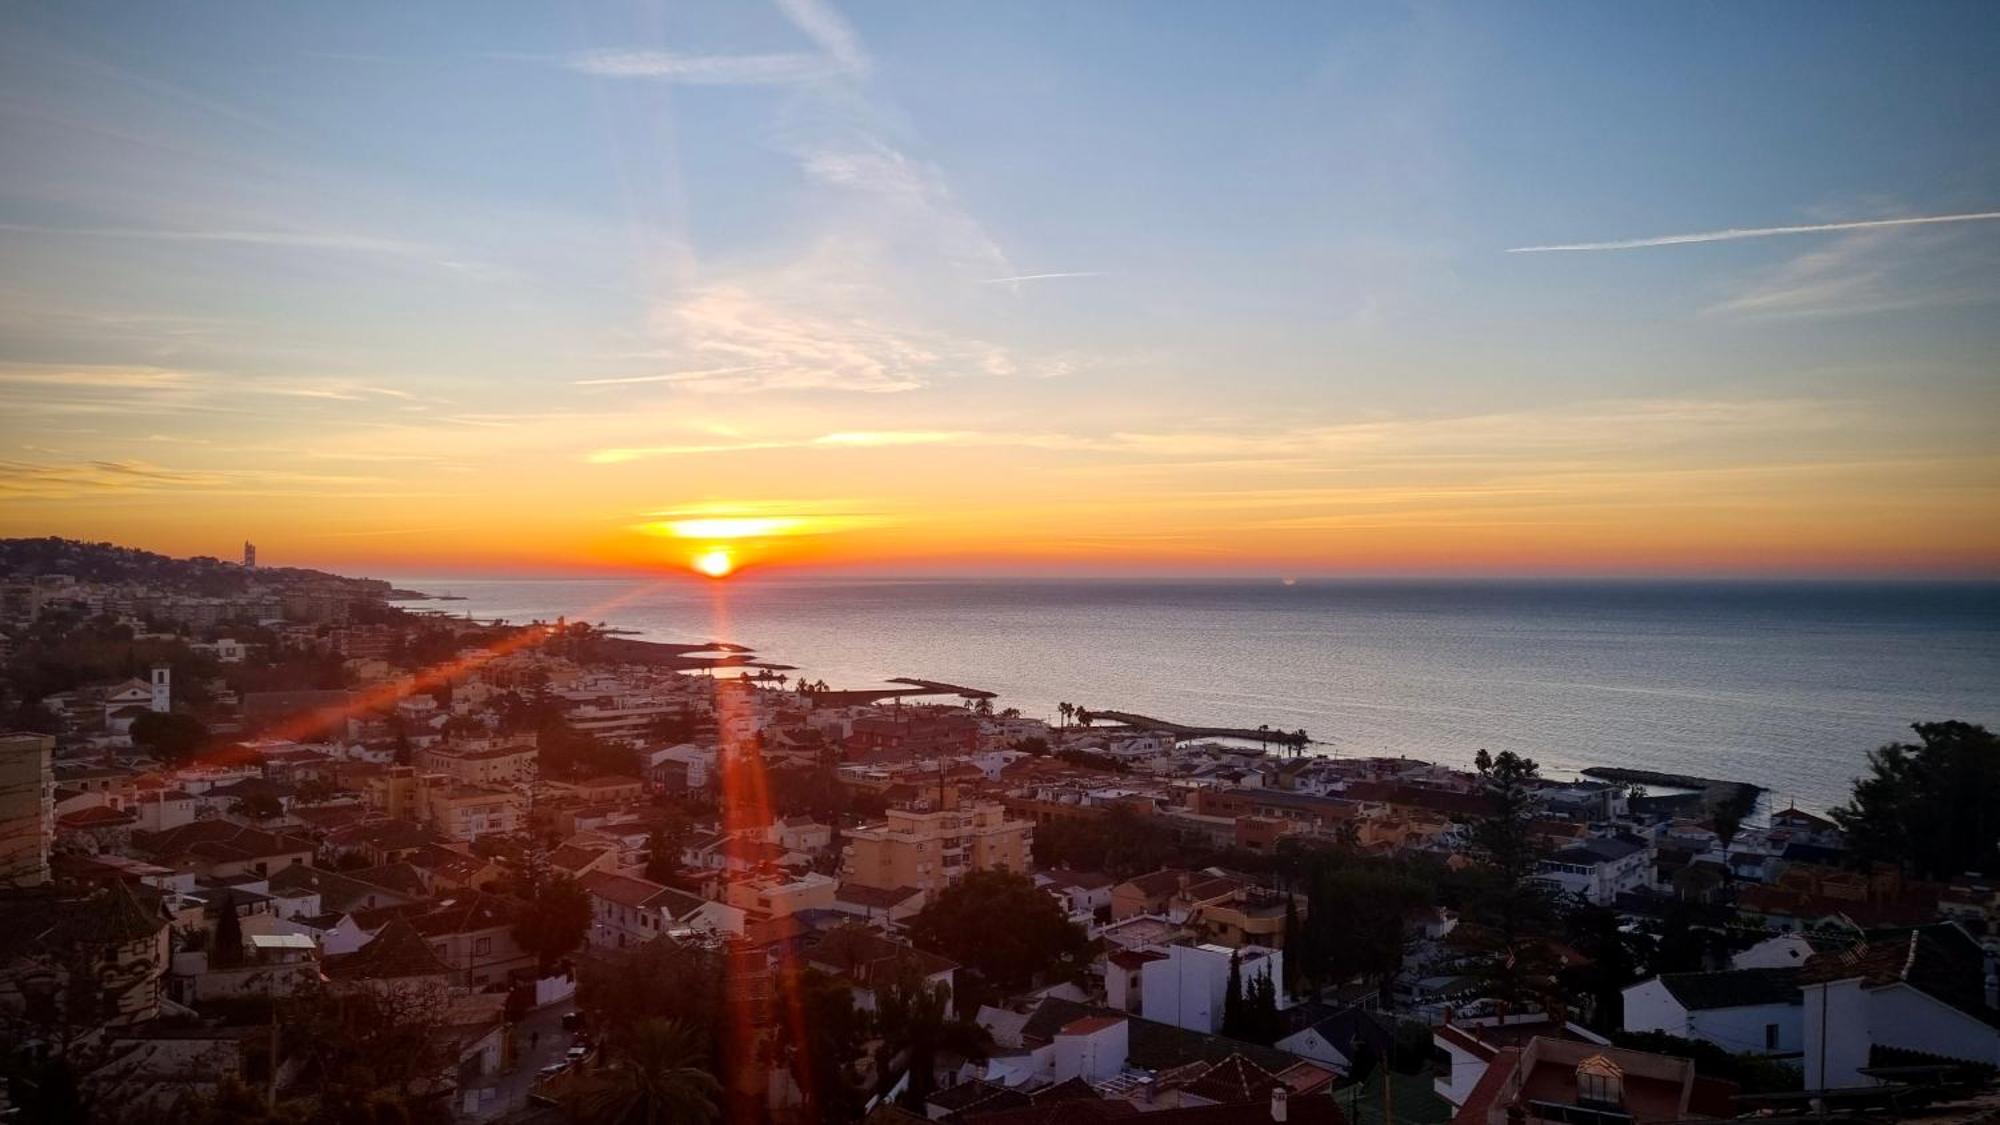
(1234, 1079)
(397, 951)
(1939, 960)
(218, 839)
(1733, 988)
(463, 913)
(625, 890)
(873, 897)
(1152, 1045)
(110, 916)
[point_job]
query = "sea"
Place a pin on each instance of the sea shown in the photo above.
(1787, 685)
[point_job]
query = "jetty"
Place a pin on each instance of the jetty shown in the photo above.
(849, 697)
(1735, 797)
(1128, 721)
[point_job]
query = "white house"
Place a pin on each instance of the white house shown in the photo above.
(627, 911)
(1600, 869)
(1929, 992)
(1187, 988)
(1792, 949)
(698, 762)
(1742, 1011)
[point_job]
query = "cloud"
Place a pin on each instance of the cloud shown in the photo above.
(828, 31)
(839, 54)
(331, 241)
(1735, 233)
(29, 480)
(704, 70)
(1870, 271)
(1038, 277)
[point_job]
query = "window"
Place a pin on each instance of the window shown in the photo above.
(483, 946)
(1770, 1037)
(1599, 1080)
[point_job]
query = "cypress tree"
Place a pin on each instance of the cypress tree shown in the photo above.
(228, 931)
(1232, 999)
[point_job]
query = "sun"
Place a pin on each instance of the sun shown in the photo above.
(715, 562)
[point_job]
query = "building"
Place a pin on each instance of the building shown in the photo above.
(485, 765)
(1924, 994)
(778, 895)
(455, 809)
(1742, 1011)
(626, 911)
(932, 847)
(250, 555)
(1189, 987)
(1564, 1082)
(27, 808)
(1599, 869)
(221, 850)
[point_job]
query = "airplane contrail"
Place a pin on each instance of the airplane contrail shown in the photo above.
(1734, 233)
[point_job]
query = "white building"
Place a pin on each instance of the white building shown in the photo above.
(628, 911)
(1742, 1011)
(1599, 869)
(1188, 988)
(1929, 991)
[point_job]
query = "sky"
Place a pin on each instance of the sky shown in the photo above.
(1106, 288)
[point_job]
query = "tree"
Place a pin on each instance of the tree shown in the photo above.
(1261, 1023)
(1931, 807)
(1294, 942)
(1232, 999)
(912, 1017)
(1002, 927)
(1515, 959)
(553, 919)
(256, 806)
(367, 1055)
(171, 736)
(820, 1043)
(659, 1076)
(228, 930)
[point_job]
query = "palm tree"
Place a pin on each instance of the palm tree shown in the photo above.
(1083, 717)
(656, 1078)
(1065, 710)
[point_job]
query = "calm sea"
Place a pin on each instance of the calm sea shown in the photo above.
(1787, 685)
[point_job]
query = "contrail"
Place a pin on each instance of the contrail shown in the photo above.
(1038, 277)
(1734, 233)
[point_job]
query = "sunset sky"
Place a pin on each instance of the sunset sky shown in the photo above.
(1007, 287)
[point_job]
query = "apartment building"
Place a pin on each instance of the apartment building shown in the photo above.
(933, 843)
(27, 808)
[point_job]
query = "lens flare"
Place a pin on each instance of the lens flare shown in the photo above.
(715, 562)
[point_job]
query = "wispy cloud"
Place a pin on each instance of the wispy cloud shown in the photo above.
(1039, 277)
(839, 54)
(1870, 271)
(1735, 233)
(331, 241)
(704, 70)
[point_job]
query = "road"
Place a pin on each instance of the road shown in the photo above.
(540, 1042)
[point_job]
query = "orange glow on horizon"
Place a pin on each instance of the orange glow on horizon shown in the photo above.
(715, 562)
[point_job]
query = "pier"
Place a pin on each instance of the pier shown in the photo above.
(1718, 795)
(1265, 736)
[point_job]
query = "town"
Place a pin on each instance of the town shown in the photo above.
(278, 845)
